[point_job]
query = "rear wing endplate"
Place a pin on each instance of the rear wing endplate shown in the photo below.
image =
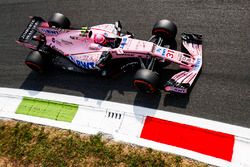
(30, 30)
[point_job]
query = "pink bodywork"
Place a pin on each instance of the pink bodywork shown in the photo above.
(83, 51)
(79, 48)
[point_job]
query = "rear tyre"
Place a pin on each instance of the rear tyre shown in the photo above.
(146, 80)
(58, 20)
(165, 29)
(36, 61)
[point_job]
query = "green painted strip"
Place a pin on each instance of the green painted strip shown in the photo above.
(47, 109)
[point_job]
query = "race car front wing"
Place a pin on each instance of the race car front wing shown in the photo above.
(182, 81)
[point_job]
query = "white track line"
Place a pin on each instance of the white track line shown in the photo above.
(93, 117)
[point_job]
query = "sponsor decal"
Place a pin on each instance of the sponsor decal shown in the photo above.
(28, 32)
(140, 45)
(62, 41)
(158, 50)
(179, 56)
(49, 32)
(164, 52)
(85, 65)
(81, 63)
(179, 90)
(184, 58)
(66, 42)
(123, 43)
(28, 29)
(74, 37)
(88, 58)
(197, 64)
(129, 65)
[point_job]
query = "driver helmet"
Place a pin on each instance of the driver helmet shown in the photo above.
(100, 39)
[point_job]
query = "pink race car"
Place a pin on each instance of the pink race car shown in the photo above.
(106, 49)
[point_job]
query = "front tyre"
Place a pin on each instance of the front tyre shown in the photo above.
(146, 80)
(58, 20)
(36, 61)
(165, 29)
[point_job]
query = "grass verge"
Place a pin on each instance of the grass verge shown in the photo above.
(26, 144)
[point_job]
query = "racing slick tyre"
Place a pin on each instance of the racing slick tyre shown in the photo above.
(146, 80)
(165, 29)
(36, 61)
(58, 20)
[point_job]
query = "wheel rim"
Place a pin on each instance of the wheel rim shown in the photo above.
(33, 66)
(163, 32)
(144, 86)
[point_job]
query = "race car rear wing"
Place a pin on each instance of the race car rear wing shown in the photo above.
(29, 32)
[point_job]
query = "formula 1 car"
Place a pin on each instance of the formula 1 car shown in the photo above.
(94, 48)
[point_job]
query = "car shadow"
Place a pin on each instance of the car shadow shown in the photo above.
(87, 85)
(97, 87)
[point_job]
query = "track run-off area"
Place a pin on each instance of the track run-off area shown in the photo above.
(201, 139)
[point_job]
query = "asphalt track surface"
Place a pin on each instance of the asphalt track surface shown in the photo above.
(221, 93)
